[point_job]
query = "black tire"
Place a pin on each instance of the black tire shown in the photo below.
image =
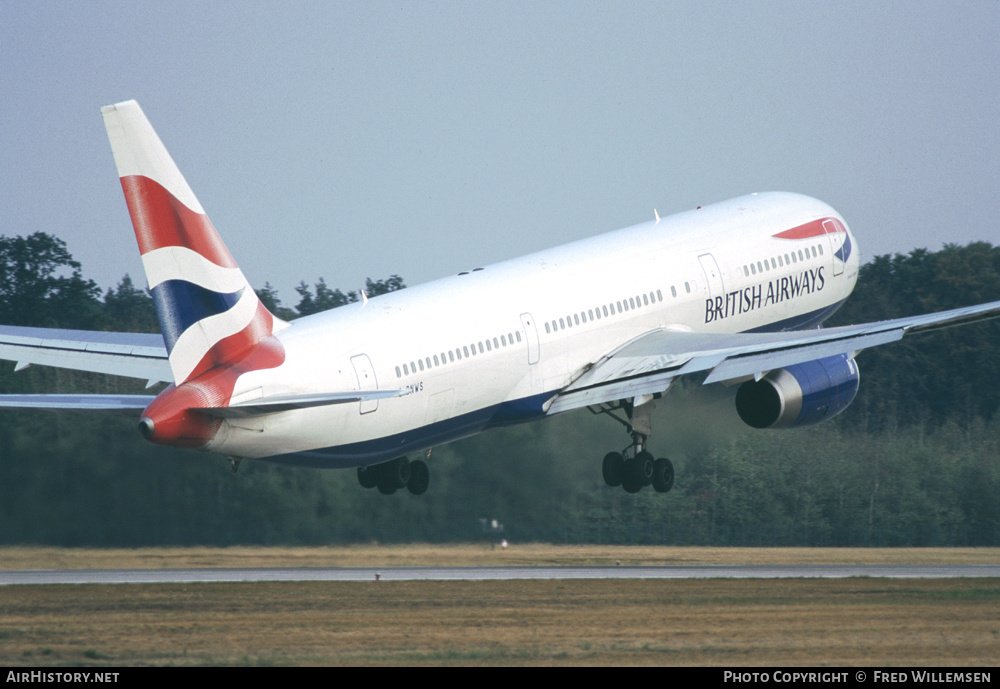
(420, 477)
(368, 477)
(663, 475)
(393, 475)
(639, 469)
(613, 469)
(630, 485)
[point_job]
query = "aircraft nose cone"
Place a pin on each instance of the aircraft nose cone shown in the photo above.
(146, 427)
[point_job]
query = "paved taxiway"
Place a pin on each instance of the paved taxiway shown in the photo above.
(232, 575)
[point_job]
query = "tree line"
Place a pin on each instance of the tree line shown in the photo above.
(912, 462)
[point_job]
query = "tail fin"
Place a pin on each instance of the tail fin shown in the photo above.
(208, 313)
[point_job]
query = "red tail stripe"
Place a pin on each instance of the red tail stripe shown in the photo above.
(228, 349)
(160, 220)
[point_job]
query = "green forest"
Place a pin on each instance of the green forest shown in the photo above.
(912, 462)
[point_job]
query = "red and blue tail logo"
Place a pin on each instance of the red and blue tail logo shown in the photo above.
(208, 313)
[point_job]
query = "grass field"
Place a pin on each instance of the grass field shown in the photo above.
(592, 622)
(476, 555)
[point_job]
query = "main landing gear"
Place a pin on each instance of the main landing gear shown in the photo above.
(634, 467)
(399, 473)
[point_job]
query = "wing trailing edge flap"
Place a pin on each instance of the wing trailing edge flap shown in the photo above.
(649, 363)
(255, 406)
(132, 355)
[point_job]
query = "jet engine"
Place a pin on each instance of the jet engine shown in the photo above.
(799, 395)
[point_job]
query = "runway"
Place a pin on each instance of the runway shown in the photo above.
(236, 575)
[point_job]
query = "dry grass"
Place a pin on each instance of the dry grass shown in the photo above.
(374, 555)
(581, 622)
(652, 622)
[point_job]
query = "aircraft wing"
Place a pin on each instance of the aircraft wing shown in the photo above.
(133, 355)
(649, 363)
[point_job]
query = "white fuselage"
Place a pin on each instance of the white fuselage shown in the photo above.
(492, 346)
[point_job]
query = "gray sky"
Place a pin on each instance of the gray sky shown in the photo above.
(354, 139)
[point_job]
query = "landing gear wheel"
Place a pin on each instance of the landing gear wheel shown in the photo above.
(630, 485)
(420, 477)
(639, 469)
(368, 477)
(613, 469)
(393, 475)
(663, 475)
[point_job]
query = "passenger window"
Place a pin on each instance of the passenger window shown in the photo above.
(421, 363)
(645, 300)
(518, 334)
(465, 348)
(673, 291)
(488, 347)
(547, 327)
(480, 347)
(451, 356)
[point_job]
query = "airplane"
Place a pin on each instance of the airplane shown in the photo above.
(734, 293)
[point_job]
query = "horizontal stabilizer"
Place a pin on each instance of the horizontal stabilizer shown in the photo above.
(120, 404)
(279, 403)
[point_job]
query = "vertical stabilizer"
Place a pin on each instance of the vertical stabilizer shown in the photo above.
(208, 313)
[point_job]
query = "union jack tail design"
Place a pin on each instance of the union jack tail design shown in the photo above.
(208, 313)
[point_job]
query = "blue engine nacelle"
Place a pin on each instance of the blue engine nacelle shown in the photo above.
(799, 395)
